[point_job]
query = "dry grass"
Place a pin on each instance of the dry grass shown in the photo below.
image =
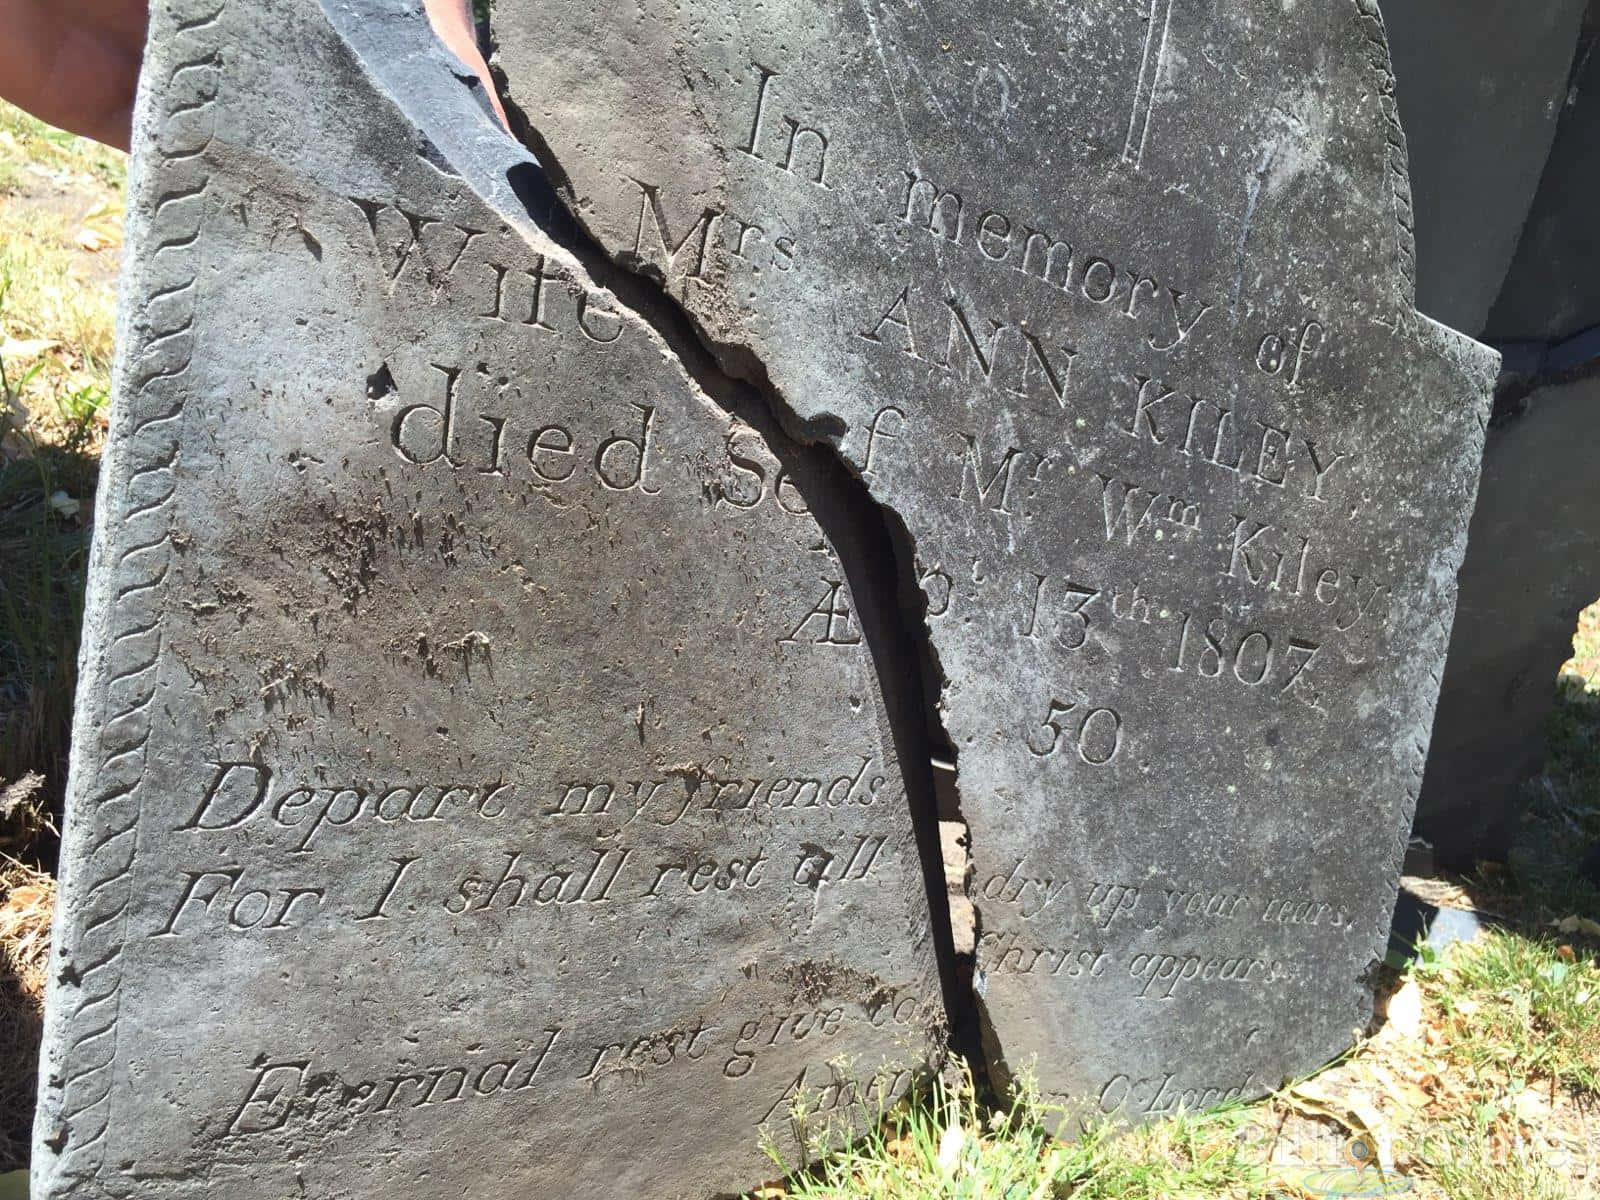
(27, 901)
(60, 237)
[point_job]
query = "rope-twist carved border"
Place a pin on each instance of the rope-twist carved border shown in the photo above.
(1432, 648)
(110, 758)
(1434, 641)
(1397, 165)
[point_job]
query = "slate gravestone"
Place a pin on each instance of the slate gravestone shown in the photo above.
(1480, 86)
(1111, 306)
(1551, 291)
(1530, 569)
(463, 801)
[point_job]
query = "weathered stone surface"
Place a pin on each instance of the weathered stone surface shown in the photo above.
(1480, 86)
(464, 802)
(1111, 305)
(1533, 562)
(1552, 290)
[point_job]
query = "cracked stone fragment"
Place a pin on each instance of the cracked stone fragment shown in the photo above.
(1111, 305)
(482, 785)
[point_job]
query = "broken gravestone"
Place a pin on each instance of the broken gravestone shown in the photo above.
(1111, 308)
(460, 804)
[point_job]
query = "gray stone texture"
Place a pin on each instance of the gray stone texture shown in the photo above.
(1111, 306)
(1552, 290)
(1533, 562)
(1480, 85)
(464, 801)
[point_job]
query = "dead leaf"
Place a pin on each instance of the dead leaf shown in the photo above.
(1408, 1095)
(92, 240)
(25, 897)
(1404, 1010)
(1309, 1099)
(1531, 1108)
(25, 350)
(950, 1145)
(1581, 925)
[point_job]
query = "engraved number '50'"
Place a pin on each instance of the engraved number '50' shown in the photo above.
(1096, 733)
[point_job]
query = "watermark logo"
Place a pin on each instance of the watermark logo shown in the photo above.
(1346, 1183)
(1363, 1178)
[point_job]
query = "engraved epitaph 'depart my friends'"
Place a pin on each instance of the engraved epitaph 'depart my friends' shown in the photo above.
(1111, 304)
(481, 783)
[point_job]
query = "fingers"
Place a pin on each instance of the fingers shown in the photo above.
(70, 67)
(75, 63)
(452, 23)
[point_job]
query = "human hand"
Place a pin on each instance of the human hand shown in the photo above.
(452, 23)
(75, 63)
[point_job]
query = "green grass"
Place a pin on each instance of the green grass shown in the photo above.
(1518, 1009)
(944, 1142)
(1468, 1170)
(60, 229)
(1510, 1041)
(30, 148)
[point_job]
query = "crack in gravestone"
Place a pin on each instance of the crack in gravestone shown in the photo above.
(890, 604)
(875, 547)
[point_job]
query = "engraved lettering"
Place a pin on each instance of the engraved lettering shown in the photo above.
(835, 625)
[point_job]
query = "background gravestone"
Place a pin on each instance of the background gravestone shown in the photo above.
(464, 799)
(1531, 567)
(1551, 291)
(1111, 308)
(1480, 86)
(1528, 564)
